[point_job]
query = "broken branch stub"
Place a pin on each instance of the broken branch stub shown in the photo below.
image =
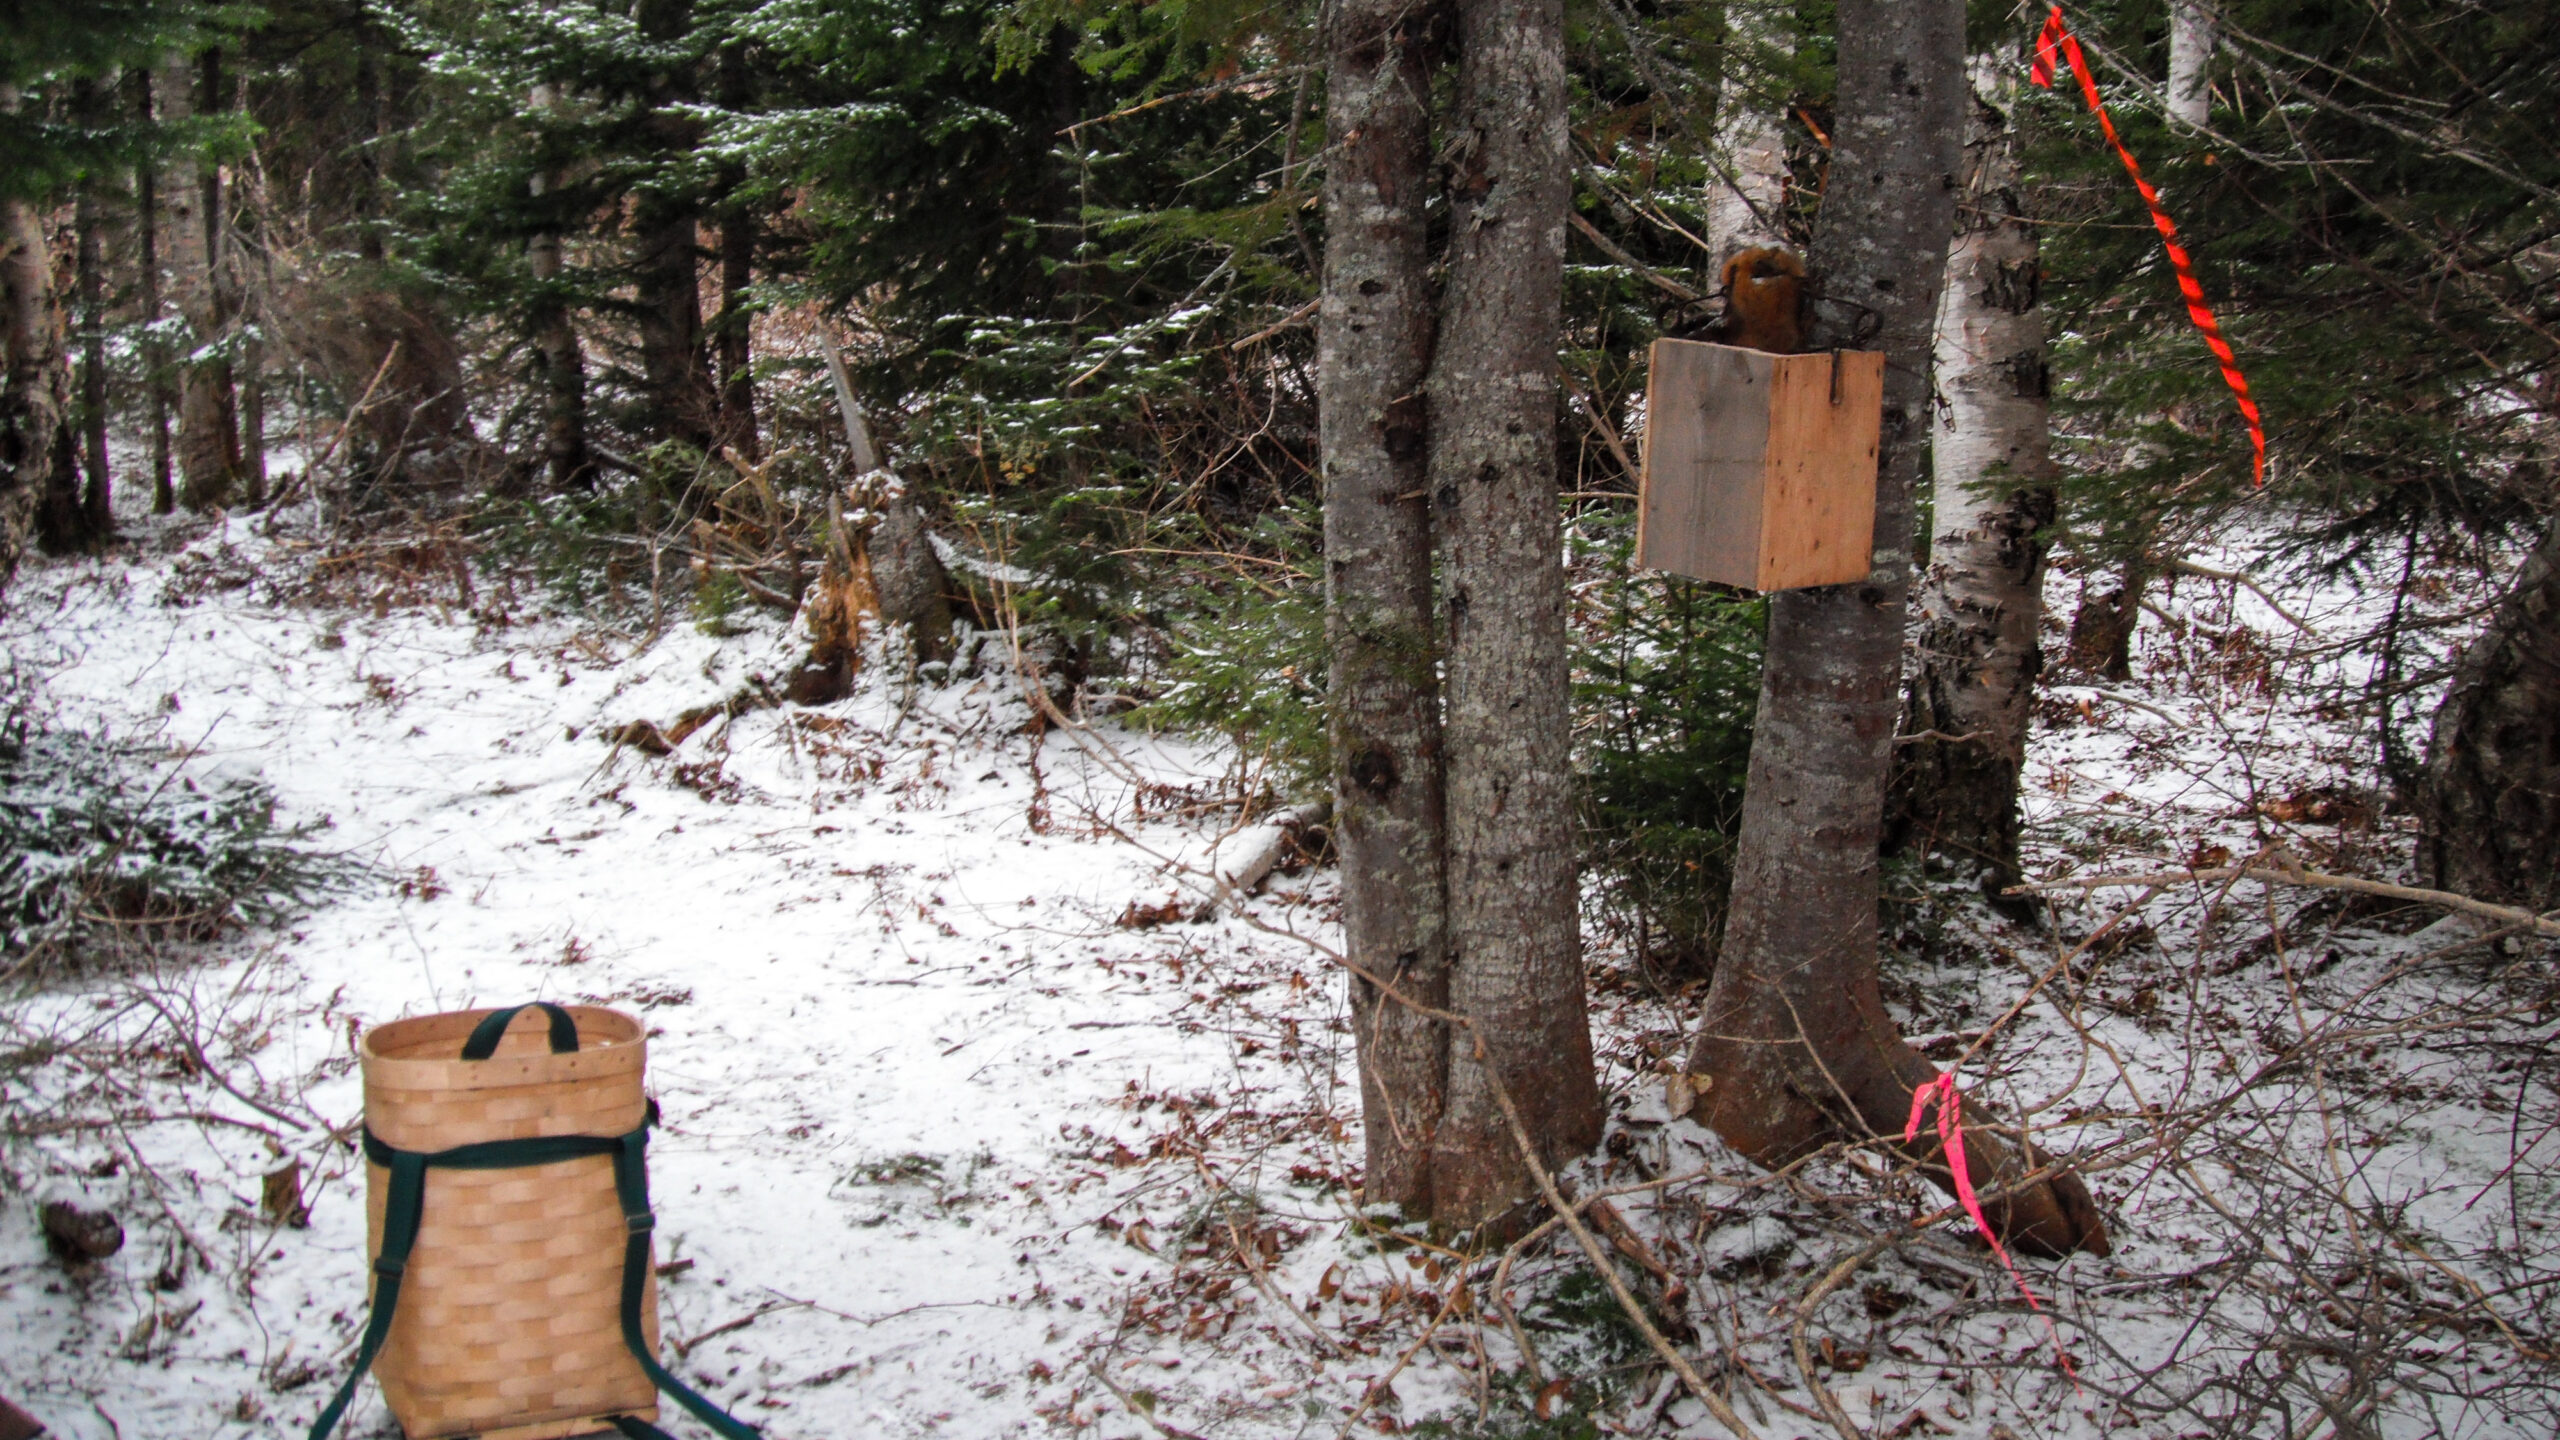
(907, 582)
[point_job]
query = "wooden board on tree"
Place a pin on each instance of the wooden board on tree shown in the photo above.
(1760, 469)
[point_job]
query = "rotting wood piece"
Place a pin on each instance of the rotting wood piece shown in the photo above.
(1760, 469)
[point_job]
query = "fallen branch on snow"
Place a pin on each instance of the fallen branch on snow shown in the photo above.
(2287, 873)
(2243, 577)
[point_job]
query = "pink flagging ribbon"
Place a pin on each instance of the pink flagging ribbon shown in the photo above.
(1942, 1092)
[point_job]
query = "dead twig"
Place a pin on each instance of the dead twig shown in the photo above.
(684, 1348)
(1143, 1412)
(1294, 317)
(187, 1037)
(2242, 577)
(1377, 1389)
(311, 468)
(2288, 871)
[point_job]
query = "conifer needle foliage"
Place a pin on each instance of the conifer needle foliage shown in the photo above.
(107, 847)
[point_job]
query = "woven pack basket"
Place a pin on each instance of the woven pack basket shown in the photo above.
(508, 1221)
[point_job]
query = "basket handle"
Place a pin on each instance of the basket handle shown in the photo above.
(484, 1038)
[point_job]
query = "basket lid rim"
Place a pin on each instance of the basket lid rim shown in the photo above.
(608, 1040)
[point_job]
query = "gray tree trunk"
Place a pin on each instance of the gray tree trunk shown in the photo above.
(208, 441)
(1793, 1033)
(2194, 32)
(155, 350)
(1747, 207)
(1981, 602)
(209, 464)
(733, 329)
(2491, 796)
(561, 367)
(664, 228)
(30, 366)
(1514, 914)
(97, 508)
(1373, 339)
(252, 291)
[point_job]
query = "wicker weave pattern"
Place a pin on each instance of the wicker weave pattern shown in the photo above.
(509, 1321)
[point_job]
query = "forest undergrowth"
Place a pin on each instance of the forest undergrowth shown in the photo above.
(996, 1106)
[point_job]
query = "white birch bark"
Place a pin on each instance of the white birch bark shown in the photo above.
(1745, 204)
(2194, 32)
(30, 354)
(1968, 693)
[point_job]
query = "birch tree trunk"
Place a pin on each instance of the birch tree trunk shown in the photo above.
(30, 367)
(559, 366)
(1514, 914)
(2194, 32)
(2491, 796)
(1373, 348)
(1747, 207)
(1967, 697)
(1793, 1032)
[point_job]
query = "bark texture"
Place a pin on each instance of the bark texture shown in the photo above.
(667, 258)
(2194, 32)
(1514, 915)
(732, 330)
(560, 369)
(62, 521)
(1373, 350)
(2491, 796)
(1794, 1035)
(209, 463)
(1747, 207)
(97, 508)
(908, 583)
(2103, 624)
(907, 577)
(31, 390)
(155, 351)
(1981, 602)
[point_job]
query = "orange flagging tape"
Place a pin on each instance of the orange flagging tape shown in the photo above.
(1942, 1093)
(2057, 43)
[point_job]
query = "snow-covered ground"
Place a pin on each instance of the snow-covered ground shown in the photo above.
(971, 1131)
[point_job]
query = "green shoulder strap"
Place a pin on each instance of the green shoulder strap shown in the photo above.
(631, 1181)
(401, 1210)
